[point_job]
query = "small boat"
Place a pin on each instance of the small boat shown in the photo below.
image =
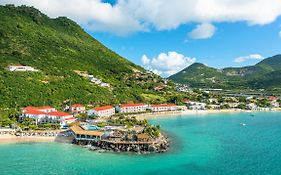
(243, 124)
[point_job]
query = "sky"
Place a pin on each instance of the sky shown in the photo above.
(166, 36)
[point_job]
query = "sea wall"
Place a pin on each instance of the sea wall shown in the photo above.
(160, 145)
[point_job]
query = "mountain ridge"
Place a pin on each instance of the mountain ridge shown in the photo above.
(250, 77)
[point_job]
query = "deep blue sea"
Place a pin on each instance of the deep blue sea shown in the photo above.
(201, 144)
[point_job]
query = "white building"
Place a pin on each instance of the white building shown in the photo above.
(21, 68)
(77, 108)
(103, 111)
(163, 107)
(46, 114)
(196, 105)
(131, 108)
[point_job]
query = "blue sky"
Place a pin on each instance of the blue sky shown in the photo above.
(231, 40)
(166, 36)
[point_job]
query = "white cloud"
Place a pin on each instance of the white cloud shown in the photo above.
(145, 60)
(128, 16)
(202, 31)
(166, 64)
(279, 34)
(249, 57)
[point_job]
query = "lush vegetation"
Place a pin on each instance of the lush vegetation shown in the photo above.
(264, 75)
(128, 121)
(59, 48)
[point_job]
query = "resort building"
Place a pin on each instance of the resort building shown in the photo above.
(46, 114)
(196, 105)
(77, 108)
(21, 68)
(103, 111)
(81, 134)
(36, 116)
(163, 107)
(131, 108)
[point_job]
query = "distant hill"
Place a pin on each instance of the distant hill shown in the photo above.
(264, 75)
(63, 53)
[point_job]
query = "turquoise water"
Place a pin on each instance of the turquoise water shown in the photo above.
(213, 144)
(91, 127)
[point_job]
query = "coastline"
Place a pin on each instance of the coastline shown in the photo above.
(196, 112)
(8, 139)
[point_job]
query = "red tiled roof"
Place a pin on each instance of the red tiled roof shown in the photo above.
(58, 113)
(37, 108)
(163, 105)
(34, 112)
(77, 106)
(29, 108)
(103, 108)
(44, 107)
(71, 118)
(272, 98)
(131, 105)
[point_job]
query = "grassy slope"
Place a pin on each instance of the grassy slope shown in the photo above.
(57, 47)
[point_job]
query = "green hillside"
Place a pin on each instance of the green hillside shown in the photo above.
(264, 75)
(59, 48)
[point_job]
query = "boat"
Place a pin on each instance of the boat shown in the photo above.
(243, 124)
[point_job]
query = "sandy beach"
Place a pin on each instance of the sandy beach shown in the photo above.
(7, 138)
(194, 112)
(188, 112)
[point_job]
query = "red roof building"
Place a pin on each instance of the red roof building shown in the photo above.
(46, 114)
(103, 111)
(132, 108)
(77, 108)
(272, 98)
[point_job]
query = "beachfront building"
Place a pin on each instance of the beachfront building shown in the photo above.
(35, 116)
(81, 134)
(77, 108)
(21, 68)
(163, 107)
(196, 105)
(131, 108)
(46, 114)
(103, 111)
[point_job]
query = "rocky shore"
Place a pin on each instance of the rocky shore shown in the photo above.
(159, 145)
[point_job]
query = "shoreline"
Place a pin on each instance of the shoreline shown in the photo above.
(197, 112)
(9, 139)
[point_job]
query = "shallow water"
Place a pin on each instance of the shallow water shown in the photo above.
(203, 144)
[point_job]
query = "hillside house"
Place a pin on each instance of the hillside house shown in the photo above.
(21, 68)
(77, 108)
